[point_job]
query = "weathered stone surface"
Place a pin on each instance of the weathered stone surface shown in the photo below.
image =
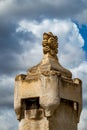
(47, 98)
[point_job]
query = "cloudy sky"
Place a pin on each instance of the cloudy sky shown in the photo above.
(22, 24)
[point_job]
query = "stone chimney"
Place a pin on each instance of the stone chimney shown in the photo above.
(47, 98)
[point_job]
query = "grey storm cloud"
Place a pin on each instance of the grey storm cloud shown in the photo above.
(10, 46)
(6, 91)
(9, 64)
(8, 39)
(18, 9)
(7, 100)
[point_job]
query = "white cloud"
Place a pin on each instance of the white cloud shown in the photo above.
(83, 120)
(30, 57)
(8, 120)
(70, 40)
(6, 80)
(81, 72)
(82, 68)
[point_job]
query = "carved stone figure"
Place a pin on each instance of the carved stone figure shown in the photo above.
(50, 44)
(47, 98)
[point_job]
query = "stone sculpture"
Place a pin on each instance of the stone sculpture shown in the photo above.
(47, 98)
(50, 44)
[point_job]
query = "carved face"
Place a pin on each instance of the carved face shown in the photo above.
(50, 44)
